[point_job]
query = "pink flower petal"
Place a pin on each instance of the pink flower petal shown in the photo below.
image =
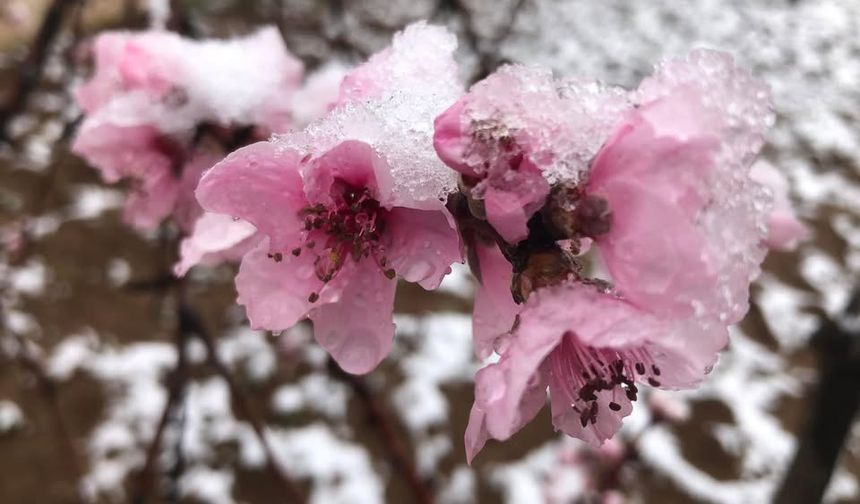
(509, 211)
(495, 309)
(784, 230)
(513, 391)
(476, 435)
(357, 330)
(451, 138)
(152, 201)
(354, 163)
(215, 238)
(421, 245)
(260, 184)
(276, 295)
(655, 254)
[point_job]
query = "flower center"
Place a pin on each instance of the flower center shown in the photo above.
(590, 376)
(351, 227)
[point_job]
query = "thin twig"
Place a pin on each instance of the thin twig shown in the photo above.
(487, 50)
(48, 387)
(177, 384)
(33, 66)
(385, 426)
(291, 490)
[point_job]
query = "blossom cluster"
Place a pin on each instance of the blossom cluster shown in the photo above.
(614, 233)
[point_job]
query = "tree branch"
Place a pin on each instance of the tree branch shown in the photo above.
(385, 426)
(33, 66)
(837, 343)
(291, 490)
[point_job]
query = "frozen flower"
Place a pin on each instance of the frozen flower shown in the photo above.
(678, 224)
(515, 133)
(217, 238)
(686, 218)
(784, 230)
(152, 97)
(347, 205)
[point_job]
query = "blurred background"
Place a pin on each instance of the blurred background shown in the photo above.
(89, 327)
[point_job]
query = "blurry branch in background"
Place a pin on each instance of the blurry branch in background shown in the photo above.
(177, 382)
(189, 326)
(386, 427)
(486, 49)
(837, 345)
(25, 352)
(291, 491)
(29, 358)
(33, 67)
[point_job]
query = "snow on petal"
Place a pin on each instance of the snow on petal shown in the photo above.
(396, 119)
(520, 130)
(419, 51)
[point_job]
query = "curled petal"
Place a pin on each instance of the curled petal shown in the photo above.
(451, 138)
(476, 433)
(495, 309)
(512, 391)
(215, 238)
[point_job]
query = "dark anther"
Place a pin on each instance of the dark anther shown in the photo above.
(640, 368)
(614, 406)
(310, 244)
(653, 382)
(390, 273)
(277, 256)
(655, 369)
(313, 297)
(297, 251)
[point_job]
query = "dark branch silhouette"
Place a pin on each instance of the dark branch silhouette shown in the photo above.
(832, 414)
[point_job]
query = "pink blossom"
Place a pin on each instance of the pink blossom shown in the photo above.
(336, 240)
(149, 93)
(686, 217)
(784, 230)
(677, 222)
(592, 350)
(346, 206)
